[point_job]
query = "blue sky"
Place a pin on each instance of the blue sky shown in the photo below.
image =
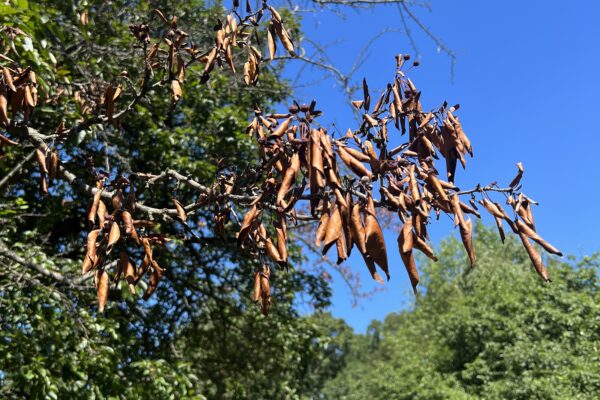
(527, 80)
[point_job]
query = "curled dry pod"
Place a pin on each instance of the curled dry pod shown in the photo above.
(117, 200)
(180, 211)
(289, 177)
(4, 120)
(127, 222)
(265, 289)
(356, 166)
(466, 235)
(322, 227)
(53, 165)
(90, 255)
(257, 291)
(281, 230)
(121, 266)
(517, 179)
(247, 223)
(101, 213)
(113, 236)
(282, 128)
(271, 41)
(408, 258)
(155, 277)
(357, 230)
(421, 245)
(102, 282)
(334, 228)
(374, 238)
(8, 80)
(41, 160)
(524, 228)
(284, 37)
(535, 257)
(130, 276)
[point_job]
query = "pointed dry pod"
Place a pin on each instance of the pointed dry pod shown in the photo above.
(29, 101)
(289, 177)
(342, 249)
(257, 290)
(130, 276)
(94, 207)
(4, 120)
(155, 277)
(90, 255)
(366, 96)
(180, 211)
(322, 228)
(43, 184)
(53, 165)
(408, 260)
(102, 282)
(281, 231)
(334, 228)
(374, 238)
(41, 159)
(421, 245)
(144, 265)
(127, 222)
(282, 128)
(437, 187)
(356, 166)
(373, 158)
(536, 258)
(517, 179)
(284, 37)
(271, 41)
(113, 236)
(101, 213)
(466, 235)
(8, 80)
(459, 218)
(407, 236)
(491, 208)
(524, 228)
(121, 266)
(359, 155)
(413, 184)
(247, 223)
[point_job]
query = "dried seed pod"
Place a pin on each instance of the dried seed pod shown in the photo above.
(130, 276)
(406, 254)
(257, 291)
(41, 159)
(113, 236)
(8, 80)
(334, 228)
(524, 228)
(536, 258)
(53, 165)
(289, 177)
(180, 211)
(247, 224)
(90, 255)
(103, 288)
(374, 238)
(155, 277)
(466, 234)
(127, 222)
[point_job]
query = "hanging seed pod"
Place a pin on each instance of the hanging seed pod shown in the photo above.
(130, 276)
(53, 165)
(155, 277)
(517, 179)
(466, 234)
(8, 80)
(257, 291)
(127, 222)
(117, 200)
(113, 236)
(356, 166)
(101, 213)
(334, 228)
(90, 255)
(282, 128)
(180, 211)
(121, 266)
(536, 258)
(406, 254)
(289, 177)
(41, 160)
(4, 120)
(271, 32)
(374, 238)
(524, 228)
(103, 288)
(176, 90)
(247, 223)
(323, 221)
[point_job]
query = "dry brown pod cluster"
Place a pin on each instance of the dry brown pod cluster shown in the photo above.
(340, 179)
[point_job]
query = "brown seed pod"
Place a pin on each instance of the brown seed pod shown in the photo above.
(536, 258)
(103, 288)
(180, 211)
(113, 236)
(155, 277)
(374, 238)
(466, 234)
(90, 255)
(334, 228)
(407, 256)
(127, 222)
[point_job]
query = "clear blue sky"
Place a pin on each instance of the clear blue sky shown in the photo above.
(527, 79)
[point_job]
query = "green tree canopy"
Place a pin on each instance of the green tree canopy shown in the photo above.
(494, 333)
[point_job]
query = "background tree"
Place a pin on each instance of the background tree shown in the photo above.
(493, 333)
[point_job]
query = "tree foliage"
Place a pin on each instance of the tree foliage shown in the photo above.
(494, 333)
